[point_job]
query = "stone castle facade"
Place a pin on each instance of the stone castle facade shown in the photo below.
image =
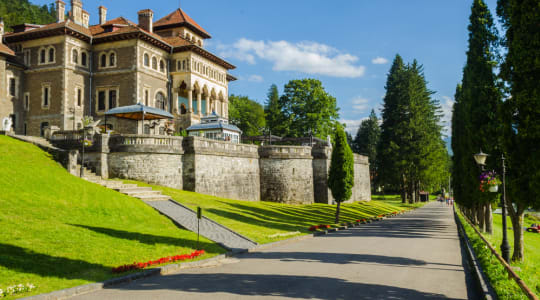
(52, 75)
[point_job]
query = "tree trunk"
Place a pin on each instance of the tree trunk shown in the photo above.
(337, 212)
(403, 187)
(488, 218)
(474, 215)
(480, 209)
(516, 217)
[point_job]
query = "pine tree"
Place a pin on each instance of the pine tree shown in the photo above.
(521, 111)
(341, 175)
(272, 112)
(367, 140)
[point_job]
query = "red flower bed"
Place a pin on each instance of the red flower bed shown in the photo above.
(321, 226)
(142, 265)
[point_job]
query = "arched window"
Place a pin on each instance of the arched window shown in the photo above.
(83, 58)
(161, 66)
(75, 56)
(112, 60)
(146, 60)
(42, 55)
(103, 60)
(183, 65)
(183, 109)
(51, 55)
(160, 101)
(154, 63)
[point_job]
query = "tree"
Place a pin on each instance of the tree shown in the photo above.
(367, 139)
(247, 114)
(17, 12)
(478, 126)
(341, 175)
(520, 111)
(272, 112)
(305, 105)
(411, 152)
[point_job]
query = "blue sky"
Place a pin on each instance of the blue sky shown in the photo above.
(348, 45)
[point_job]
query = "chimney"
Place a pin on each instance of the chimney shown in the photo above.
(77, 11)
(1, 30)
(146, 19)
(102, 14)
(85, 18)
(60, 11)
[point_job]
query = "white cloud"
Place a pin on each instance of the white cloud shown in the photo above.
(352, 125)
(360, 104)
(307, 57)
(447, 106)
(379, 60)
(255, 78)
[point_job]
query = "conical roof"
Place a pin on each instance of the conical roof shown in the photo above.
(179, 18)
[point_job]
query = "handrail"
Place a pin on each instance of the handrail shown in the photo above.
(511, 272)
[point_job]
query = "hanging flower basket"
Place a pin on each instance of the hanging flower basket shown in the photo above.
(489, 182)
(494, 188)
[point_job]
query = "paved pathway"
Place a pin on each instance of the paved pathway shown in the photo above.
(208, 228)
(413, 256)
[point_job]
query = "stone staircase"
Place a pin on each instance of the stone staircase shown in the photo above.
(175, 211)
(133, 190)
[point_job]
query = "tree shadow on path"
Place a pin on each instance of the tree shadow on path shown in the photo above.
(301, 287)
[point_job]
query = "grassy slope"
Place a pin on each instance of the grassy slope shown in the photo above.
(261, 220)
(529, 269)
(59, 231)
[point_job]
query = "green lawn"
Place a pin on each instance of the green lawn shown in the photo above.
(58, 231)
(266, 222)
(396, 201)
(529, 270)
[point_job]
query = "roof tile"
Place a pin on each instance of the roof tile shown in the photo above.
(178, 17)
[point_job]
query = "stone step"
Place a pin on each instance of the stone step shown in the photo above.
(113, 184)
(143, 193)
(153, 197)
(133, 189)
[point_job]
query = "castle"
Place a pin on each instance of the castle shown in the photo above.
(52, 75)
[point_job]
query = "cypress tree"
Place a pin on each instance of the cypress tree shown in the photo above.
(479, 100)
(341, 175)
(521, 111)
(272, 111)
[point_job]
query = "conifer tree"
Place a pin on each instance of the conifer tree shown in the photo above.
(521, 110)
(367, 140)
(479, 100)
(272, 111)
(341, 174)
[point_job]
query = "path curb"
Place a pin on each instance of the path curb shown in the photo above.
(164, 270)
(483, 283)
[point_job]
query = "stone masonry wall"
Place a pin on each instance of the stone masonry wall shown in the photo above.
(286, 174)
(362, 184)
(221, 169)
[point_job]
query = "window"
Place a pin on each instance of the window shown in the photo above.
(161, 130)
(112, 60)
(146, 60)
(42, 55)
(101, 100)
(103, 60)
(27, 57)
(146, 129)
(112, 99)
(51, 55)
(27, 101)
(183, 65)
(146, 97)
(12, 87)
(79, 96)
(83, 59)
(75, 56)
(107, 98)
(45, 95)
(154, 63)
(161, 66)
(160, 101)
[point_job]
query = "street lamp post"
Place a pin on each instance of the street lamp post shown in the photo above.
(480, 159)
